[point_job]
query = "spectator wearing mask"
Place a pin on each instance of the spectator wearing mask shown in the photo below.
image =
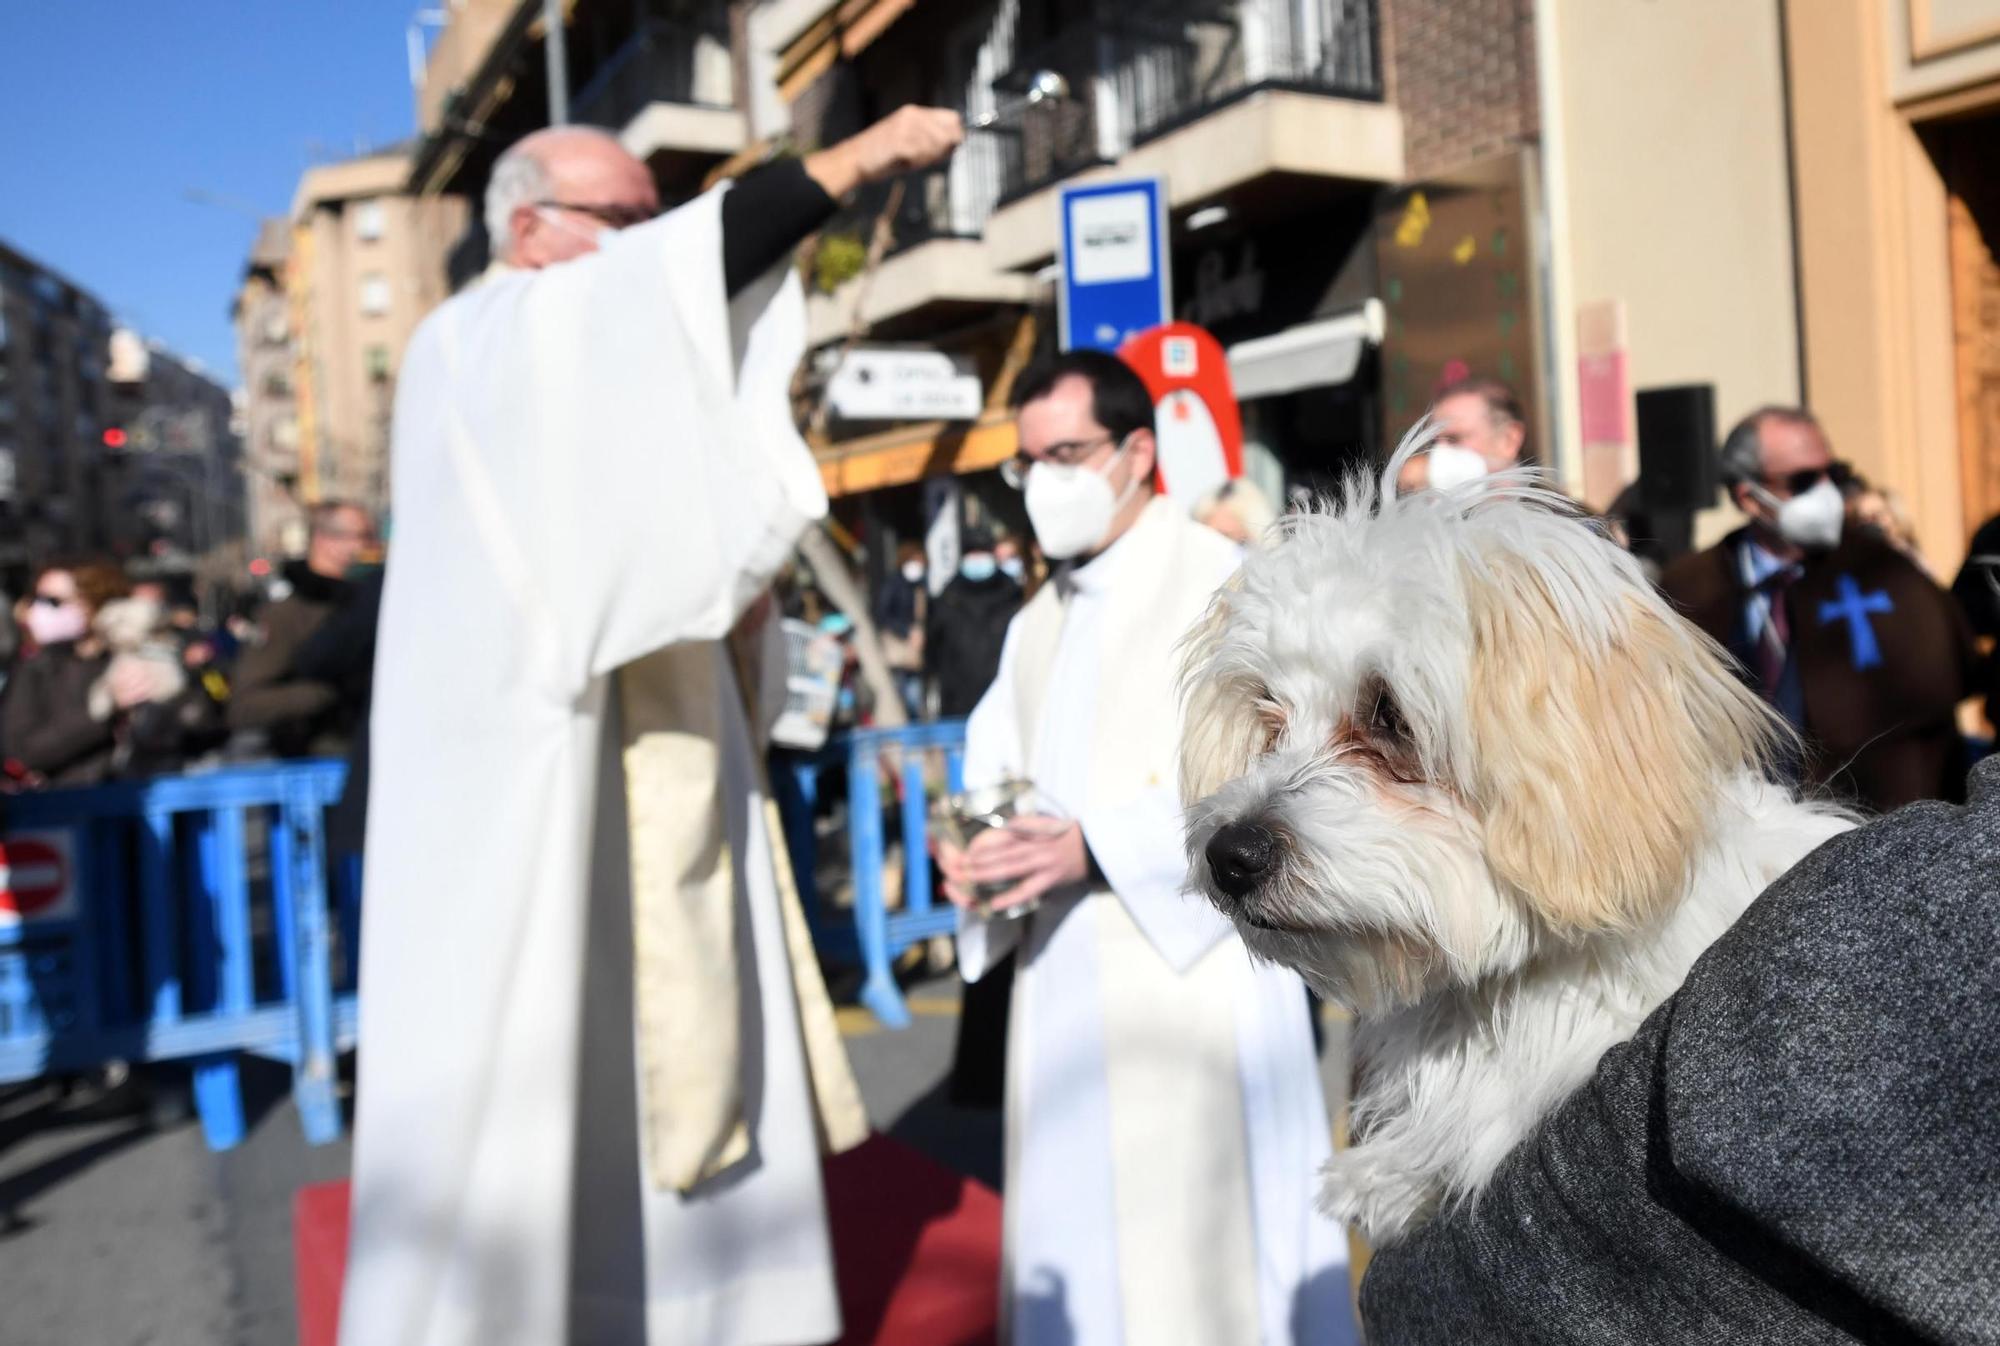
(1481, 430)
(1834, 626)
(968, 626)
(54, 735)
(900, 606)
(299, 716)
(1014, 565)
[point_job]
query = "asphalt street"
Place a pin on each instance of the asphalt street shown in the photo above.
(116, 1231)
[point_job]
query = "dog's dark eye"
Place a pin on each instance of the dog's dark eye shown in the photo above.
(1386, 724)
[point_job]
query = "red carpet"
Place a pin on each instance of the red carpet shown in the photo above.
(916, 1248)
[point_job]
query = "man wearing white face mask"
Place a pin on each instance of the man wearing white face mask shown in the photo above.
(1481, 430)
(1858, 648)
(1163, 1112)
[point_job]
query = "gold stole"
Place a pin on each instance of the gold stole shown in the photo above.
(687, 997)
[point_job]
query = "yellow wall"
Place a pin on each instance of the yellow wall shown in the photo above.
(1675, 181)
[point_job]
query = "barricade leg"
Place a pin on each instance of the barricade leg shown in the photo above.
(303, 886)
(217, 942)
(871, 916)
(284, 916)
(218, 1101)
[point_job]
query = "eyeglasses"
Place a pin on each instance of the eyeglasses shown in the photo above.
(1798, 483)
(1063, 453)
(617, 217)
(52, 601)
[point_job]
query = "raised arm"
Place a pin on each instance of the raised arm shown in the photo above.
(773, 207)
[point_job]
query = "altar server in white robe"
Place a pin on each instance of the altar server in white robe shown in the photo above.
(1164, 1116)
(597, 1063)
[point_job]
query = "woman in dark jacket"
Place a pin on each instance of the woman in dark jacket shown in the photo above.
(49, 729)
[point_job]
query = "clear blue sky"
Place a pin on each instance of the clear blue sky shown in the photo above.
(111, 111)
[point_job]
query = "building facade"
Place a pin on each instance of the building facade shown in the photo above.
(365, 263)
(266, 364)
(56, 489)
(109, 446)
(1775, 200)
(179, 504)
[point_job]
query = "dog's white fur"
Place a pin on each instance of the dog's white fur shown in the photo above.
(1514, 797)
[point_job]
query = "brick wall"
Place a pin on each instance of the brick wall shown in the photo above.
(1462, 72)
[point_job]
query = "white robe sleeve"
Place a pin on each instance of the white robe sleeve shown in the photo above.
(640, 478)
(992, 754)
(1138, 845)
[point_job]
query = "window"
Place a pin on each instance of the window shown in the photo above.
(378, 362)
(368, 221)
(374, 294)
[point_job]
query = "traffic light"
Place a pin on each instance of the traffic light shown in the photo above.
(114, 437)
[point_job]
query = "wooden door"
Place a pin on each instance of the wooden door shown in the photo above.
(1972, 177)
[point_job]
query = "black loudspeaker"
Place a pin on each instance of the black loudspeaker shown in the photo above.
(1677, 447)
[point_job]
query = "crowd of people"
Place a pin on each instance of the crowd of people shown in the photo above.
(115, 676)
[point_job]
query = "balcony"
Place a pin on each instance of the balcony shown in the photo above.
(1206, 93)
(669, 93)
(1136, 77)
(936, 262)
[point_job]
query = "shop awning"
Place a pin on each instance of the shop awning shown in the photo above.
(1317, 354)
(913, 452)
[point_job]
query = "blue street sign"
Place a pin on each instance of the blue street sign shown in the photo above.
(1116, 277)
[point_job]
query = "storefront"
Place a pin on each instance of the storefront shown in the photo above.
(1286, 281)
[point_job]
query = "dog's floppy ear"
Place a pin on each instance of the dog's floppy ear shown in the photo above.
(1221, 729)
(1596, 765)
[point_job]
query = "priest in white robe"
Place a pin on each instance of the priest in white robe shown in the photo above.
(597, 1063)
(1164, 1118)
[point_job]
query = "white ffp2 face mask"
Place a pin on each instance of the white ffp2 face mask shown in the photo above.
(1811, 520)
(1073, 508)
(1452, 466)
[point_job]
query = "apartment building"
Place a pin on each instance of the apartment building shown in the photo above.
(365, 262)
(55, 340)
(176, 503)
(262, 313)
(661, 74)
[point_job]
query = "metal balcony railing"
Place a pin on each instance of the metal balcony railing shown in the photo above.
(1136, 76)
(666, 61)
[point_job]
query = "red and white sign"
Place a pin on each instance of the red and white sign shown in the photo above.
(1200, 427)
(37, 878)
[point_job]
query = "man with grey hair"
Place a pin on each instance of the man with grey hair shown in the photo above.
(1841, 632)
(597, 1058)
(297, 715)
(1481, 430)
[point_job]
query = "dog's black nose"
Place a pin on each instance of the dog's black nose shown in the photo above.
(1240, 857)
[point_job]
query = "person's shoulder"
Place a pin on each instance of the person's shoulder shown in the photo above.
(1870, 556)
(1699, 576)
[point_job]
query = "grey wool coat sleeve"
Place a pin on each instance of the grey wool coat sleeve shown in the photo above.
(1802, 1145)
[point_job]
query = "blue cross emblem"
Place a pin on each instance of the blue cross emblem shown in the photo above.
(1853, 607)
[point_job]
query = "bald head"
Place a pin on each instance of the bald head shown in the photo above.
(590, 179)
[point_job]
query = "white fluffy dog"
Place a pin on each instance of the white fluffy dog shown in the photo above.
(1452, 758)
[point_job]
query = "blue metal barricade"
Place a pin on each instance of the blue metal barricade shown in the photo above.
(181, 919)
(875, 937)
